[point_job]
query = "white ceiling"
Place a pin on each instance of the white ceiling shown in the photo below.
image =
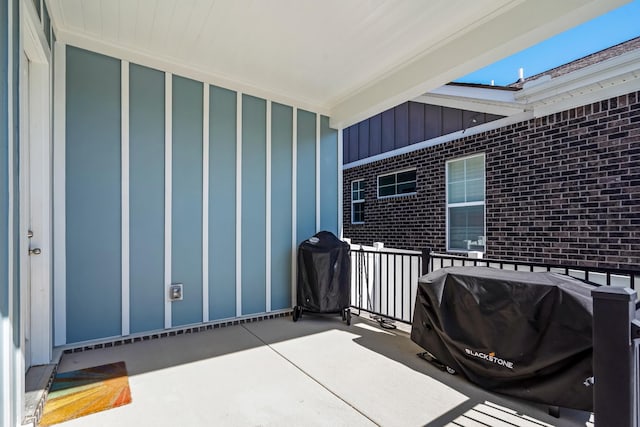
(346, 58)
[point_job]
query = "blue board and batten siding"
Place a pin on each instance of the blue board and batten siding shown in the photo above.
(281, 199)
(254, 204)
(222, 213)
(146, 201)
(93, 192)
(306, 172)
(328, 176)
(93, 198)
(186, 204)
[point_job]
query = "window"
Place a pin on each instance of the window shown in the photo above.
(357, 202)
(397, 183)
(465, 204)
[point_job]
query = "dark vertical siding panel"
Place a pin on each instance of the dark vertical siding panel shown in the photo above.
(402, 125)
(281, 199)
(186, 204)
(433, 121)
(416, 122)
(363, 139)
(375, 135)
(346, 155)
(254, 204)
(492, 117)
(388, 130)
(93, 198)
(451, 120)
(222, 203)
(471, 119)
(354, 141)
(146, 187)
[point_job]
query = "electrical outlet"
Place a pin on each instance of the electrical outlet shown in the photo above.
(175, 292)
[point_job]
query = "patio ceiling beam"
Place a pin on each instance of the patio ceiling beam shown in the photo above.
(501, 34)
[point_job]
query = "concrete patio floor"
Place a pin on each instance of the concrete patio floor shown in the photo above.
(316, 372)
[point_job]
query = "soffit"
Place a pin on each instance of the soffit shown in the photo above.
(348, 59)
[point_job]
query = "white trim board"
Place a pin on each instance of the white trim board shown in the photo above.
(238, 204)
(466, 102)
(294, 205)
(268, 212)
(205, 203)
(124, 139)
(340, 184)
(318, 175)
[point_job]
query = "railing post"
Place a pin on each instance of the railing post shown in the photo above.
(426, 259)
(614, 366)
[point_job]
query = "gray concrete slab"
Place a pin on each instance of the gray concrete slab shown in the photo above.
(225, 377)
(315, 372)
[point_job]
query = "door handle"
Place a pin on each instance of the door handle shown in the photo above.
(29, 234)
(35, 251)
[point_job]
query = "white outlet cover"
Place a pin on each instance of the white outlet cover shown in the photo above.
(175, 292)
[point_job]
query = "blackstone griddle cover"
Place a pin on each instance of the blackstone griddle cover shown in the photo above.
(523, 334)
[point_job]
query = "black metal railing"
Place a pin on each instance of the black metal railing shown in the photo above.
(596, 275)
(384, 283)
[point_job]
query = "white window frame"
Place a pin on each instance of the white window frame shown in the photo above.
(353, 202)
(465, 204)
(396, 173)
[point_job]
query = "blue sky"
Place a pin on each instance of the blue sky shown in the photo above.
(600, 33)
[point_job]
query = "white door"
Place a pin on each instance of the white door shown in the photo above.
(35, 203)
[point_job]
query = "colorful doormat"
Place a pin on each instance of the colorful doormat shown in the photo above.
(86, 391)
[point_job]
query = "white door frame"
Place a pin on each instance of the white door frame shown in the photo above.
(36, 49)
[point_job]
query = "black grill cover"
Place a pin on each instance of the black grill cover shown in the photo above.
(324, 274)
(518, 333)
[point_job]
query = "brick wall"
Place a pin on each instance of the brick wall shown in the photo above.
(564, 188)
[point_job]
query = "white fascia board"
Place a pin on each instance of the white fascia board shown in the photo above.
(500, 108)
(476, 93)
(587, 96)
(607, 73)
(498, 35)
